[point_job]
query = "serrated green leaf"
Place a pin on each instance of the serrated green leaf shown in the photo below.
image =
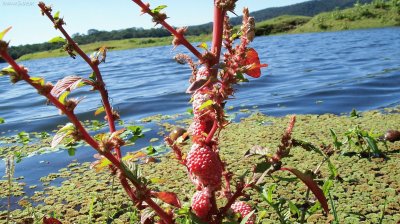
(4, 32)
(206, 104)
(2, 121)
(57, 40)
(37, 80)
(57, 15)
(99, 111)
(203, 46)
(158, 9)
(63, 97)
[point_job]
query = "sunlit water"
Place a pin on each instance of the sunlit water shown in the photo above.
(308, 73)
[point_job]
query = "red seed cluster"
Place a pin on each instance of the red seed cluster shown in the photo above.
(201, 204)
(204, 166)
(243, 209)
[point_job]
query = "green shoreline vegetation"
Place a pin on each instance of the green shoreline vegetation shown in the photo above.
(369, 185)
(362, 16)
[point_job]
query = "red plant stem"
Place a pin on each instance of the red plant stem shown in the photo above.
(96, 70)
(181, 38)
(235, 196)
(212, 132)
(128, 190)
(85, 135)
(165, 217)
(218, 26)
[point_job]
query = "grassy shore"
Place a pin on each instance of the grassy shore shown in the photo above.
(115, 45)
(368, 184)
(357, 17)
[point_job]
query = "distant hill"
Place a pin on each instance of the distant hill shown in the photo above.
(309, 8)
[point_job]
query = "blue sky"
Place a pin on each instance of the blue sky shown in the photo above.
(80, 15)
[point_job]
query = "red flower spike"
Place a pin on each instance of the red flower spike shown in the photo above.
(51, 221)
(253, 61)
(309, 181)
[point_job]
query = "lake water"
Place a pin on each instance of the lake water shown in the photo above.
(318, 73)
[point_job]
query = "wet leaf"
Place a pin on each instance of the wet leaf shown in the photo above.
(99, 111)
(68, 129)
(37, 80)
(253, 63)
(310, 183)
(168, 197)
(206, 104)
(4, 32)
(2, 121)
(158, 9)
(57, 39)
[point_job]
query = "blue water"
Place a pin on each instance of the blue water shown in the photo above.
(317, 73)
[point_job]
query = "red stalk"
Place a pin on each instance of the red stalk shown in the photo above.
(217, 32)
(95, 68)
(181, 38)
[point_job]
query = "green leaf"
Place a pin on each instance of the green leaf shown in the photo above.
(150, 150)
(2, 121)
(203, 46)
(293, 209)
(247, 217)
(57, 39)
(158, 9)
(62, 134)
(37, 80)
(206, 104)
(372, 144)
(7, 71)
(63, 97)
(99, 111)
(71, 151)
(337, 143)
(332, 169)
(4, 32)
(57, 15)
(23, 137)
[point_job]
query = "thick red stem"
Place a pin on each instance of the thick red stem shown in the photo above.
(181, 38)
(218, 26)
(96, 70)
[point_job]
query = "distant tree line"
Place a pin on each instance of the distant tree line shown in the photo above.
(308, 8)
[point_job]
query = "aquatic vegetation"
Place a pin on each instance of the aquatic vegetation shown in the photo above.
(219, 193)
